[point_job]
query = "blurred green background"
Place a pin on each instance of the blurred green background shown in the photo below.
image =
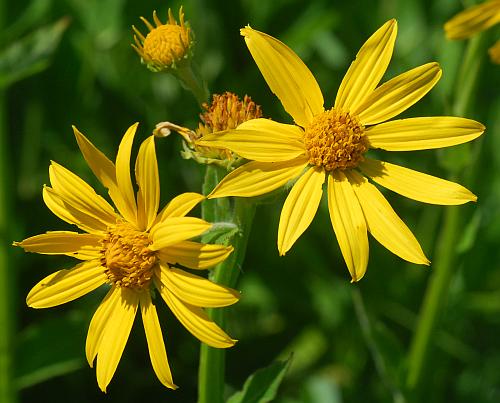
(65, 62)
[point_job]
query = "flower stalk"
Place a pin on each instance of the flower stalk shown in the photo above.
(446, 256)
(239, 211)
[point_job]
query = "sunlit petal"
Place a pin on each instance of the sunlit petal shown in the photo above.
(398, 94)
(367, 69)
(348, 223)
(194, 255)
(80, 195)
(383, 223)
(416, 185)
(195, 290)
(148, 180)
(300, 208)
(260, 140)
(156, 345)
(423, 133)
(66, 285)
(98, 323)
(180, 205)
(196, 321)
(59, 242)
(115, 336)
(71, 215)
(123, 175)
(257, 178)
(287, 76)
(176, 229)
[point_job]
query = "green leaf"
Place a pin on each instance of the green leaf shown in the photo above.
(50, 348)
(31, 54)
(263, 384)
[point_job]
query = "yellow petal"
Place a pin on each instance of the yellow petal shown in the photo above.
(195, 290)
(115, 336)
(398, 94)
(367, 69)
(103, 169)
(148, 180)
(194, 255)
(473, 20)
(196, 321)
(100, 165)
(66, 285)
(300, 207)
(383, 223)
(264, 141)
(287, 76)
(123, 175)
(416, 185)
(257, 178)
(80, 195)
(348, 223)
(175, 229)
(180, 205)
(98, 323)
(59, 242)
(68, 213)
(156, 346)
(423, 133)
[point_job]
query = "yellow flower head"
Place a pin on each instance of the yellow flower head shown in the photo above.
(332, 145)
(226, 112)
(166, 45)
(135, 251)
(473, 20)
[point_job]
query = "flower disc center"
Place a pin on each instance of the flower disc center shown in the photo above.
(125, 254)
(166, 44)
(335, 140)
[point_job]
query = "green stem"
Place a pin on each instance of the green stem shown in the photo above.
(378, 359)
(239, 211)
(192, 80)
(453, 221)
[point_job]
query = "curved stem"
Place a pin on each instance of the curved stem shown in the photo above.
(192, 80)
(239, 211)
(451, 230)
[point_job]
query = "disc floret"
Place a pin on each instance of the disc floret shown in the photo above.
(335, 140)
(125, 255)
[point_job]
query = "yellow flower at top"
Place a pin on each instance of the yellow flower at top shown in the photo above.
(474, 20)
(165, 45)
(331, 145)
(135, 251)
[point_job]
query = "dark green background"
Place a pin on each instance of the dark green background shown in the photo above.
(302, 302)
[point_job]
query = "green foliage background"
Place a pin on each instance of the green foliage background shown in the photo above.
(65, 62)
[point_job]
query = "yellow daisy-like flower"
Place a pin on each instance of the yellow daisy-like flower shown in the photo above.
(134, 251)
(165, 44)
(474, 20)
(331, 145)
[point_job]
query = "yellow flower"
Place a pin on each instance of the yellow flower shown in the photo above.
(473, 20)
(226, 111)
(166, 44)
(331, 145)
(134, 251)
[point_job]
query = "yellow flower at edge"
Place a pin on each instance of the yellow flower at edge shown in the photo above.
(331, 145)
(134, 251)
(474, 20)
(166, 45)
